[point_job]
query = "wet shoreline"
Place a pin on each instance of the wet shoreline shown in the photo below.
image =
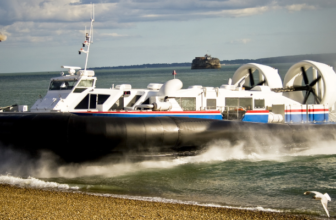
(19, 203)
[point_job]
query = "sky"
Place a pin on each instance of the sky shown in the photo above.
(43, 35)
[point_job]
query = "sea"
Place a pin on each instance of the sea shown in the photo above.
(223, 176)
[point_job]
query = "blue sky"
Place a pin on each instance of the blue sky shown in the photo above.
(42, 35)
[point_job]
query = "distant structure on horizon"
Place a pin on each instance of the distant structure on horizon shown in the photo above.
(328, 58)
(206, 62)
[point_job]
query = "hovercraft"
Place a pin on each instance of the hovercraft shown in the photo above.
(79, 122)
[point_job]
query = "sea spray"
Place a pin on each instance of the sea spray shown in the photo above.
(47, 165)
(32, 182)
(224, 175)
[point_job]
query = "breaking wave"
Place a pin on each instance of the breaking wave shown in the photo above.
(175, 201)
(32, 182)
(47, 166)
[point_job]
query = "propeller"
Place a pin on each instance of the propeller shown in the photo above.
(252, 81)
(308, 87)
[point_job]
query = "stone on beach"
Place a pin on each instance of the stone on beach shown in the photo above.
(27, 203)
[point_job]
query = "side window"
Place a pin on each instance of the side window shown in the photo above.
(134, 100)
(102, 99)
(211, 104)
(146, 101)
(187, 104)
(245, 103)
(259, 103)
(79, 90)
(231, 102)
(118, 105)
(90, 101)
(93, 101)
(84, 103)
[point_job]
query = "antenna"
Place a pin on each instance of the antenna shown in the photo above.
(88, 39)
(92, 20)
(92, 17)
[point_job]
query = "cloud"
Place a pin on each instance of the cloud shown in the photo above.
(116, 35)
(239, 12)
(300, 7)
(241, 41)
(121, 11)
(43, 20)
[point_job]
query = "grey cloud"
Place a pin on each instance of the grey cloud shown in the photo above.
(135, 10)
(319, 3)
(94, 2)
(39, 17)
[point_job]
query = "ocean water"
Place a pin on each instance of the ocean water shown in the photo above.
(223, 176)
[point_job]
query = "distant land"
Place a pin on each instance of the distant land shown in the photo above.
(329, 58)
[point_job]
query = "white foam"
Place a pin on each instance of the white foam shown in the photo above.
(32, 182)
(324, 148)
(219, 151)
(109, 169)
(174, 201)
(223, 151)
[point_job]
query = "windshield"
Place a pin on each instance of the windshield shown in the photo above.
(62, 85)
(86, 83)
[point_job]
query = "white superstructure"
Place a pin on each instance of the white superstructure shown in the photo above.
(77, 92)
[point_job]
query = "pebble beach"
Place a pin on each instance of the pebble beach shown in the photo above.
(31, 203)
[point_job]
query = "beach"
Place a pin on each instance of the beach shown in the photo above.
(30, 203)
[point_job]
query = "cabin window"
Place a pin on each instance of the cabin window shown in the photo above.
(231, 102)
(79, 90)
(62, 85)
(245, 103)
(86, 83)
(146, 102)
(259, 103)
(102, 99)
(187, 104)
(90, 101)
(118, 105)
(211, 104)
(134, 100)
(235, 108)
(93, 101)
(84, 103)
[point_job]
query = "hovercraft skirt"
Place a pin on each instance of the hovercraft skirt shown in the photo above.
(79, 138)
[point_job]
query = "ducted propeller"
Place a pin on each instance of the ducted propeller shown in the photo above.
(252, 81)
(308, 87)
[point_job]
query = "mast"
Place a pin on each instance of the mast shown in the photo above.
(88, 39)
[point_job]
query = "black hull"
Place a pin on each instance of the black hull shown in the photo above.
(79, 138)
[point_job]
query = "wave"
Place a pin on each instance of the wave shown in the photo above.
(32, 182)
(175, 201)
(47, 165)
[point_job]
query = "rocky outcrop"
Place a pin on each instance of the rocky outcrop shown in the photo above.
(206, 62)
